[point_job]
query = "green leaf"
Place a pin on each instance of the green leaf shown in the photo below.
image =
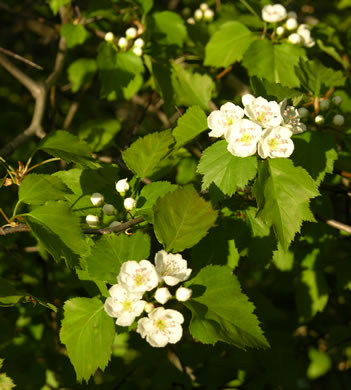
(276, 63)
(64, 145)
(283, 260)
(112, 250)
(75, 34)
(228, 172)
(168, 28)
(283, 192)
(191, 88)
(88, 333)
(144, 155)
(228, 45)
(182, 218)
(272, 91)
(316, 152)
(320, 363)
(36, 189)
(146, 5)
(56, 4)
(6, 383)
(330, 50)
(189, 125)
(58, 229)
(81, 72)
(221, 312)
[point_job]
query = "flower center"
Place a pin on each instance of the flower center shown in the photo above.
(139, 279)
(273, 143)
(161, 324)
(127, 305)
(245, 139)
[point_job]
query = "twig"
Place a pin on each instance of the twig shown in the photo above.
(336, 224)
(20, 58)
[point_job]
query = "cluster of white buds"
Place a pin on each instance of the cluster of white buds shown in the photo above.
(203, 13)
(267, 129)
(122, 186)
(98, 199)
(127, 302)
(298, 34)
(130, 40)
(330, 110)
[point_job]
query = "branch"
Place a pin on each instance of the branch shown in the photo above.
(338, 225)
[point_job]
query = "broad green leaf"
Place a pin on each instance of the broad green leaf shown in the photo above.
(276, 63)
(81, 72)
(182, 218)
(228, 44)
(144, 155)
(64, 145)
(283, 260)
(191, 88)
(168, 28)
(6, 383)
(88, 333)
(112, 250)
(56, 4)
(283, 192)
(58, 230)
(191, 124)
(228, 172)
(320, 363)
(316, 152)
(39, 188)
(146, 5)
(148, 196)
(272, 91)
(220, 310)
(186, 170)
(75, 34)
(330, 50)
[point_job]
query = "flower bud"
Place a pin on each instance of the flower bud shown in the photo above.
(149, 307)
(324, 104)
(122, 185)
(208, 15)
(303, 112)
(198, 15)
(92, 220)
(138, 51)
(203, 6)
(97, 199)
(337, 100)
(109, 37)
(338, 120)
(131, 33)
(319, 119)
(162, 295)
(183, 294)
(291, 24)
(247, 99)
(129, 203)
(108, 209)
(115, 224)
(122, 43)
(190, 21)
(139, 43)
(280, 30)
(294, 38)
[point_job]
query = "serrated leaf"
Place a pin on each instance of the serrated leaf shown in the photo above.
(272, 91)
(221, 311)
(144, 155)
(283, 192)
(58, 230)
(37, 189)
(189, 125)
(81, 71)
(88, 333)
(75, 34)
(168, 28)
(112, 250)
(228, 172)
(182, 218)
(64, 145)
(228, 45)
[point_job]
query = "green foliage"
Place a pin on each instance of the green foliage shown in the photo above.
(168, 28)
(56, 4)
(75, 34)
(320, 363)
(6, 383)
(81, 72)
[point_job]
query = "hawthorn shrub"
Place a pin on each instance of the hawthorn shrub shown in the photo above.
(175, 194)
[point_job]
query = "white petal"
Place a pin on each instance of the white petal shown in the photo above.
(215, 122)
(176, 334)
(174, 315)
(162, 295)
(157, 340)
(125, 319)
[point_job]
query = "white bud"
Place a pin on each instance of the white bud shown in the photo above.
(131, 33)
(247, 99)
(280, 30)
(338, 120)
(294, 38)
(190, 21)
(92, 220)
(203, 6)
(129, 203)
(291, 24)
(122, 43)
(292, 14)
(162, 295)
(319, 119)
(208, 15)
(324, 104)
(109, 37)
(337, 100)
(97, 199)
(122, 185)
(139, 43)
(108, 209)
(114, 224)
(183, 294)
(149, 307)
(198, 15)
(138, 51)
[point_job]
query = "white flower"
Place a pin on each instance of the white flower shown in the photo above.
(139, 43)
(291, 118)
(138, 51)
(280, 30)
(305, 35)
(324, 104)
(92, 220)
(264, 113)
(97, 199)
(295, 38)
(291, 24)
(247, 99)
(183, 294)
(243, 137)
(138, 277)
(108, 209)
(122, 186)
(337, 100)
(122, 43)
(319, 119)
(129, 203)
(273, 13)
(131, 33)
(162, 326)
(172, 268)
(123, 305)
(208, 15)
(219, 121)
(198, 15)
(303, 112)
(109, 37)
(115, 223)
(338, 120)
(162, 295)
(276, 142)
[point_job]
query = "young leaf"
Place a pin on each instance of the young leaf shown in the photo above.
(88, 333)
(111, 251)
(168, 28)
(182, 218)
(228, 172)
(283, 192)
(220, 310)
(75, 34)
(228, 44)
(81, 71)
(144, 155)
(56, 4)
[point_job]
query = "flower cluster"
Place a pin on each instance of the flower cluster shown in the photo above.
(203, 13)
(127, 302)
(130, 40)
(267, 129)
